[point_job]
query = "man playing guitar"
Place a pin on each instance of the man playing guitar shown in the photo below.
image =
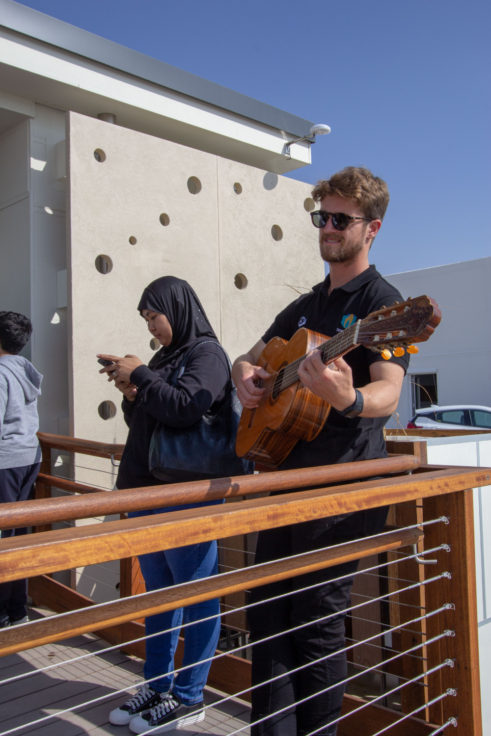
(363, 390)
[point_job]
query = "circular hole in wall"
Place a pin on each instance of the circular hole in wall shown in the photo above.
(154, 344)
(99, 155)
(276, 232)
(238, 187)
(308, 204)
(270, 180)
(106, 410)
(194, 185)
(132, 240)
(240, 281)
(164, 219)
(103, 264)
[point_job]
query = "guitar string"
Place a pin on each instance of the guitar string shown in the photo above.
(289, 375)
(332, 348)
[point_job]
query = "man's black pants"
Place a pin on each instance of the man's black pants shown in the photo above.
(309, 645)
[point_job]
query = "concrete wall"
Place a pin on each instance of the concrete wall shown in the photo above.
(149, 207)
(459, 351)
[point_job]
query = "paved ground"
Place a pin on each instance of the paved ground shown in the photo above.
(91, 683)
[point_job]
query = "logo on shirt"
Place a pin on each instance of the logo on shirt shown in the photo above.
(347, 320)
(302, 321)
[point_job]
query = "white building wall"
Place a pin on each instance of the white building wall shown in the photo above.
(33, 249)
(15, 293)
(48, 263)
(475, 451)
(459, 351)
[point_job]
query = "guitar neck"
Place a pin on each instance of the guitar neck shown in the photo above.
(334, 348)
(414, 319)
(340, 344)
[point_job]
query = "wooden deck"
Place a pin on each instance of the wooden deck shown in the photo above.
(95, 679)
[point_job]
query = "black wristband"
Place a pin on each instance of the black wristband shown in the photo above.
(354, 409)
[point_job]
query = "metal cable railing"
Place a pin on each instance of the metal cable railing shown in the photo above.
(408, 654)
(93, 701)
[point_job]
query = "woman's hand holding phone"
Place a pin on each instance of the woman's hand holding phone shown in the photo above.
(111, 366)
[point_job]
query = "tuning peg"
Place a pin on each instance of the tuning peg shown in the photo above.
(399, 352)
(412, 349)
(386, 354)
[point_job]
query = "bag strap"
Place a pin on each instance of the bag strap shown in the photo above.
(182, 366)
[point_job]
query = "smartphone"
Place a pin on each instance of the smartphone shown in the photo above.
(104, 361)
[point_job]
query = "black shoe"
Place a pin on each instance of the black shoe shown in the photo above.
(168, 715)
(145, 697)
(22, 620)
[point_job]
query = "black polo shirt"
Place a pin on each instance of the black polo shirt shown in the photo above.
(341, 440)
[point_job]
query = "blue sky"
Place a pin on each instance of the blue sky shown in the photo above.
(405, 87)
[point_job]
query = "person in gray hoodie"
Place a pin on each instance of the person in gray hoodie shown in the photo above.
(20, 453)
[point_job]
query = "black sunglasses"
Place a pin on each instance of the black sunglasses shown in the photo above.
(339, 220)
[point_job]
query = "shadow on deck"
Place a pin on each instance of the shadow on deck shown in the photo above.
(25, 703)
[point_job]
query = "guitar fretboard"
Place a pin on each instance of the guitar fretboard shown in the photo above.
(338, 345)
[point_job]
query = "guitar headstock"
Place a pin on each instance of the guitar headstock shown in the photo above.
(400, 325)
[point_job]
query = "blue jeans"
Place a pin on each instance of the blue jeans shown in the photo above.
(171, 567)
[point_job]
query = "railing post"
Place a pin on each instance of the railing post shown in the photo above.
(459, 590)
(404, 606)
(41, 490)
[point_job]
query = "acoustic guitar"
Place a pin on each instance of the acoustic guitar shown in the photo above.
(289, 412)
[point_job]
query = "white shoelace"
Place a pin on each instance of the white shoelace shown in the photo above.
(168, 704)
(144, 693)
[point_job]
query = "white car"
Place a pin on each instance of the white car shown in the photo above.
(458, 416)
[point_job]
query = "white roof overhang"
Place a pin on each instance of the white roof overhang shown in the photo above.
(46, 61)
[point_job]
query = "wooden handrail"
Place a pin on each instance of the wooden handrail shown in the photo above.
(187, 594)
(63, 484)
(84, 447)
(46, 552)
(101, 503)
(423, 433)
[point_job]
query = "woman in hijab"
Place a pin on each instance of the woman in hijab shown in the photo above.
(174, 317)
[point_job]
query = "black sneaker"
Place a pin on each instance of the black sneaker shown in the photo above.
(144, 698)
(169, 715)
(22, 620)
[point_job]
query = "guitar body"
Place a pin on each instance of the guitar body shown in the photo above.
(268, 433)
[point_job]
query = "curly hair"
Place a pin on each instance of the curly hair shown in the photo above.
(358, 184)
(15, 331)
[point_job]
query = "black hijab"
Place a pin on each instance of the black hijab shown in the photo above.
(178, 301)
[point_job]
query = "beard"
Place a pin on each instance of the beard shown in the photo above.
(340, 251)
